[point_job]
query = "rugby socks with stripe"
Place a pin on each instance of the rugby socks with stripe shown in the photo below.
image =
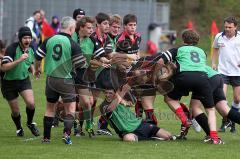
(150, 116)
(181, 115)
(47, 125)
(17, 121)
(30, 114)
(213, 135)
(138, 109)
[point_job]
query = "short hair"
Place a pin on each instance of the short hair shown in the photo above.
(231, 19)
(115, 18)
(100, 17)
(190, 37)
(129, 18)
(83, 21)
(36, 12)
(67, 22)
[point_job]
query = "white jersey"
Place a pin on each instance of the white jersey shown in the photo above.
(229, 54)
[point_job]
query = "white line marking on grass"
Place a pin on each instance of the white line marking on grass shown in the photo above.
(32, 138)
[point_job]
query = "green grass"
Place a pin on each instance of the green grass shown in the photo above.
(105, 147)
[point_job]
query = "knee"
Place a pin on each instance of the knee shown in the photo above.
(31, 106)
(130, 138)
(15, 110)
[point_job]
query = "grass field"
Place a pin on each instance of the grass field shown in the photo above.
(105, 147)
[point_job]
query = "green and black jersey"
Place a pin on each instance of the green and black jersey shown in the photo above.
(188, 58)
(75, 37)
(102, 46)
(20, 71)
(63, 56)
(113, 40)
(211, 72)
(122, 119)
(87, 48)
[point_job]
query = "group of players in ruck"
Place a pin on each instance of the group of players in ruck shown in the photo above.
(92, 56)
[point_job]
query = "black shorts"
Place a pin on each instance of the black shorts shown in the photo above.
(80, 81)
(60, 87)
(216, 83)
(231, 80)
(145, 90)
(106, 79)
(145, 131)
(12, 88)
(195, 82)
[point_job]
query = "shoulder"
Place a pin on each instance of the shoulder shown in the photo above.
(219, 35)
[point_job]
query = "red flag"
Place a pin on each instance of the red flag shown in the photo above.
(189, 25)
(214, 28)
(47, 30)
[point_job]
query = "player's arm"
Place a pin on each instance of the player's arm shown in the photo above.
(118, 97)
(8, 63)
(78, 60)
(39, 55)
(215, 54)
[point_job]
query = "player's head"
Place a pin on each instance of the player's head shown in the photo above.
(78, 14)
(130, 23)
(103, 22)
(25, 36)
(115, 24)
(37, 16)
(85, 26)
(230, 26)
(109, 95)
(2, 47)
(68, 25)
(190, 37)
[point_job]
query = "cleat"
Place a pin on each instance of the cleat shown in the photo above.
(233, 128)
(33, 128)
(45, 141)
(104, 132)
(79, 132)
(66, 139)
(196, 126)
(225, 124)
(90, 133)
(217, 141)
(206, 139)
(20, 132)
(184, 131)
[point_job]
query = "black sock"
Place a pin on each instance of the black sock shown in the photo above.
(234, 116)
(81, 123)
(203, 122)
(68, 123)
(17, 121)
(30, 114)
(47, 124)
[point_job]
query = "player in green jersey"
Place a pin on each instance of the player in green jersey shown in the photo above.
(16, 63)
(124, 121)
(63, 56)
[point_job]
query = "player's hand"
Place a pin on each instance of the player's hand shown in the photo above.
(214, 66)
(106, 65)
(37, 74)
(23, 57)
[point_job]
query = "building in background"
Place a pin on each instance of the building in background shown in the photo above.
(13, 13)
